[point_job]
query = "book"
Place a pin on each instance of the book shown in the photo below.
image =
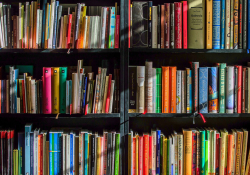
(203, 90)
(47, 106)
(230, 89)
(213, 91)
(222, 87)
(195, 66)
(140, 89)
(209, 23)
(165, 90)
(235, 24)
(55, 89)
(178, 24)
(223, 16)
(62, 89)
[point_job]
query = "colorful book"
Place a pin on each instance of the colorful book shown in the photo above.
(213, 91)
(222, 87)
(216, 24)
(203, 90)
(223, 15)
(47, 107)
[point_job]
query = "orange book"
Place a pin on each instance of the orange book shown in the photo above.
(229, 154)
(162, 26)
(145, 154)
(172, 86)
(209, 18)
(187, 152)
(34, 26)
(165, 90)
(39, 154)
(134, 155)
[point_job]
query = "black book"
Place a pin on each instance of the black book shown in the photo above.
(235, 89)
(58, 26)
(118, 90)
(109, 154)
(140, 23)
(41, 96)
(244, 23)
(132, 88)
(159, 27)
(115, 93)
(150, 5)
(93, 153)
(9, 27)
(113, 153)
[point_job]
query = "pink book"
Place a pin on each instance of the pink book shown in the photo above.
(69, 31)
(108, 94)
(117, 30)
(102, 153)
(184, 27)
(141, 155)
(47, 107)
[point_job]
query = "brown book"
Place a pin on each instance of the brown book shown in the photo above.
(61, 33)
(244, 151)
(64, 39)
(167, 25)
(14, 32)
(73, 30)
(243, 103)
(162, 26)
(107, 30)
(7, 96)
(238, 157)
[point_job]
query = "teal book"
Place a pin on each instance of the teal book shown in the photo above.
(62, 89)
(117, 153)
(202, 153)
(158, 90)
(28, 128)
(86, 142)
(112, 29)
(222, 87)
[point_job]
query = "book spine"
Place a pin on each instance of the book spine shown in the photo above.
(238, 152)
(203, 90)
(222, 33)
(244, 24)
(47, 91)
(172, 25)
(132, 89)
(246, 92)
(150, 154)
(158, 90)
(178, 92)
(9, 27)
(145, 154)
(140, 88)
(236, 9)
(117, 33)
(230, 90)
(149, 88)
(162, 26)
(178, 25)
(112, 28)
(15, 32)
(240, 24)
(158, 147)
(150, 5)
(209, 23)
(213, 91)
(159, 26)
(239, 89)
(184, 26)
(187, 152)
(62, 89)
(154, 26)
(195, 66)
(167, 25)
(248, 25)
(108, 94)
(194, 151)
(227, 25)
(222, 87)
(243, 90)
(235, 89)
(202, 152)
(188, 90)
(244, 151)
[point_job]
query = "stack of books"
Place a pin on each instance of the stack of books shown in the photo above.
(191, 24)
(55, 26)
(59, 151)
(217, 89)
(193, 151)
(55, 93)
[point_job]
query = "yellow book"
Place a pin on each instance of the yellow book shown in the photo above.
(164, 152)
(244, 151)
(209, 21)
(80, 37)
(137, 155)
(46, 27)
(222, 152)
(226, 147)
(55, 90)
(98, 160)
(187, 151)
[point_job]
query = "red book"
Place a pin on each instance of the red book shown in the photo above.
(24, 96)
(217, 156)
(162, 26)
(108, 94)
(239, 88)
(243, 102)
(184, 26)
(69, 31)
(145, 154)
(140, 155)
(194, 149)
(134, 155)
(150, 153)
(117, 31)
(167, 25)
(178, 25)
(129, 2)
(47, 107)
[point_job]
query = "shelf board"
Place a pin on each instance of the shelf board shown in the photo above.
(149, 50)
(64, 116)
(59, 51)
(162, 115)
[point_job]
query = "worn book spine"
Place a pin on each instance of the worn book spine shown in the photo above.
(244, 151)
(149, 87)
(230, 89)
(172, 25)
(178, 25)
(172, 89)
(184, 25)
(243, 90)
(183, 92)
(235, 89)
(213, 90)
(203, 90)
(238, 152)
(189, 90)
(239, 89)
(159, 26)
(227, 25)
(222, 87)
(240, 24)
(236, 30)
(154, 26)
(150, 6)
(195, 85)
(222, 32)
(178, 91)
(167, 25)
(209, 24)
(140, 89)
(244, 24)
(216, 24)
(162, 26)
(132, 89)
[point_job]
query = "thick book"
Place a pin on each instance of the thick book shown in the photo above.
(239, 89)
(149, 87)
(154, 26)
(172, 25)
(187, 144)
(132, 88)
(209, 23)
(150, 6)
(196, 31)
(172, 89)
(28, 128)
(47, 106)
(178, 91)
(236, 30)
(213, 90)
(244, 150)
(222, 87)
(140, 24)
(203, 89)
(55, 90)
(62, 89)
(230, 89)
(162, 26)
(227, 25)
(167, 26)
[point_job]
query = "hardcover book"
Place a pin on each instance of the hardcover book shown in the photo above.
(203, 90)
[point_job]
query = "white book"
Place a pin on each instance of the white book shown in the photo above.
(2, 26)
(178, 91)
(51, 25)
(85, 31)
(35, 153)
(180, 154)
(40, 29)
(20, 21)
(154, 26)
(33, 96)
(230, 90)
(103, 27)
(227, 25)
(149, 87)
(154, 90)
(18, 105)
(68, 155)
(111, 96)
(172, 157)
(94, 34)
(140, 95)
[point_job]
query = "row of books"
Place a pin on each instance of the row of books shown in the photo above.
(191, 24)
(54, 26)
(193, 151)
(59, 151)
(218, 89)
(55, 94)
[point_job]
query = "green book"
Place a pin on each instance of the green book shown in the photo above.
(158, 90)
(208, 151)
(203, 148)
(16, 158)
(19, 163)
(222, 87)
(62, 89)
(206, 157)
(117, 152)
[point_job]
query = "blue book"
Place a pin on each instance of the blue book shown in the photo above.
(213, 101)
(71, 153)
(31, 153)
(84, 94)
(28, 128)
(55, 153)
(158, 151)
(248, 33)
(223, 8)
(21, 152)
(44, 21)
(216, 24)
(86, 141)
(190, 93)
(203, 90)
(15, 77)
(51, 153)
(112, 29)
(55, 25)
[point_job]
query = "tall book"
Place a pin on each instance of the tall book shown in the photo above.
(172, 25)
(172, 89)
(238, 158)
(229, 89)
(149, 86)
(158, 90)
(62, 90)
(150, 6)
(167, 26)
(189, 90)
(184, 26)
(183, 92)
(195, 85)
(227, 24)
(187, 145)
(178, 25)
(47, 106)
(203, 90)
(140, 95)
(222, 31)
(55, 90)
(244, 151)
(236, 30)
(222, 87)
(28, 128)
(209, 23)
(132, 88)
(154, 26)
(196, 31)
(165, 90)
(178, 91)
(213, 91)
(239, 89)
(162, 26)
